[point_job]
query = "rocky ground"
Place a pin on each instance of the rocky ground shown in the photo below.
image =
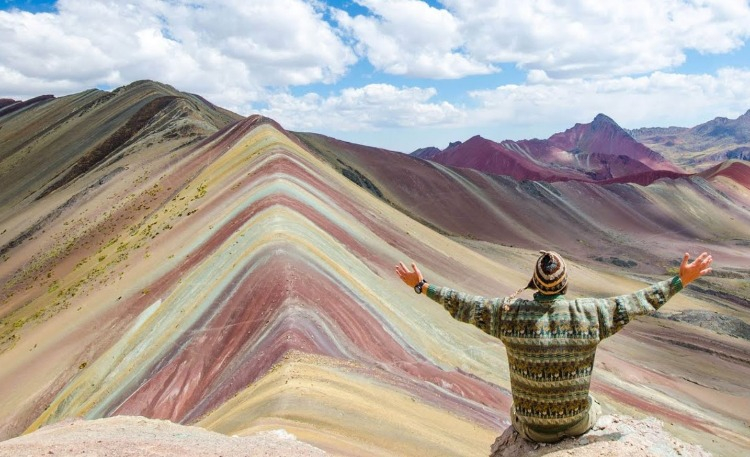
(128, 436)
(611, 436)
(137, 436)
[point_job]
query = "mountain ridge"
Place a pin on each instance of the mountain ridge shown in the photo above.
(32, 154)
(600, 151)
(499, 209)
(703, 145)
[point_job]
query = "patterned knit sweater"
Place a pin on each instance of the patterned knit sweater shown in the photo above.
(551, 343)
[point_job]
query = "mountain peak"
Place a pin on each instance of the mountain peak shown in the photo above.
(475, 138)
(147, 83)
(598, 151)
(146, 86)
(426, 153)
(603, 119)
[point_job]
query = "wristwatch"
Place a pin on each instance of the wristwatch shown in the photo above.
(418, 287)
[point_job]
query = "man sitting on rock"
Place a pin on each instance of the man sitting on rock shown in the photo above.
(551, 341)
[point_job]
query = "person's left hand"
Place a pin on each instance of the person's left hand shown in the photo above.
(691, 271)
(411, 278)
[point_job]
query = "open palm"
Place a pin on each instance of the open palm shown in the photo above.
(689, 272)
(411, 278)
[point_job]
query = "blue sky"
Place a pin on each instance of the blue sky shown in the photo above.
(398, 74)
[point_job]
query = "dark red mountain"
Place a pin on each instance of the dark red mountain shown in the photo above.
(599, 151)
(426, 153)
(736, 170)
(507, 158)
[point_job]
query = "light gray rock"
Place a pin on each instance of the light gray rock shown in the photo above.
(616, 436)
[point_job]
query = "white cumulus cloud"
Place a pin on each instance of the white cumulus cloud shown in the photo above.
(591, 38)
(398, 65)
(410, 37)
(372, 107)
(212, 47)
(659, 99)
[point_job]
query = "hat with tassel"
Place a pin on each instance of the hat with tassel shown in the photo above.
(550, 275)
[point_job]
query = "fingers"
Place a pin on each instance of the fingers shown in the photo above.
(703, 261)
(402, 272)
(409, 276)
(416, 270)
(401, 268)
(701, 266)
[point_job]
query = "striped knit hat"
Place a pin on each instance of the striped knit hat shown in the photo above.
(550, 275)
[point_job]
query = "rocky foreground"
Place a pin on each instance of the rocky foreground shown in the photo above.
(131, 436)
(612, 436)
(137, 436)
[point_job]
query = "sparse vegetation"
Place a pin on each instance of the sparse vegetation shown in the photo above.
(202, 190)
(53, 287)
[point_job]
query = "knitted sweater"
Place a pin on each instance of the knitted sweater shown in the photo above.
(551, 343)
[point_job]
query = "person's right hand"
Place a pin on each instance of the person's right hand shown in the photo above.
(695, 269)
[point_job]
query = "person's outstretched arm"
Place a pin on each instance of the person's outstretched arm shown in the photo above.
(614, 313)
(479, 311)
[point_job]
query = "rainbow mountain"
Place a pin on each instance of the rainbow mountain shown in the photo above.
(163, 257)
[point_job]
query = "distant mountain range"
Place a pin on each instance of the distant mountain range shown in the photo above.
(705, 144)
(603, 152)
(600, 151)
